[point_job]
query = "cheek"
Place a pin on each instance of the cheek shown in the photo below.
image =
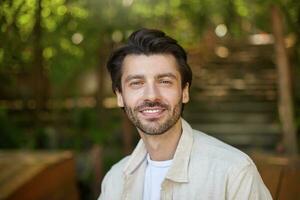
(172, 96)
(132, 99)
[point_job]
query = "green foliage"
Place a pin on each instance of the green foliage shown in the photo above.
(74, 31)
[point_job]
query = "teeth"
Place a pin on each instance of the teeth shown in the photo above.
(151, 111)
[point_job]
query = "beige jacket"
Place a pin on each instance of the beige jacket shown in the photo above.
(203, 168)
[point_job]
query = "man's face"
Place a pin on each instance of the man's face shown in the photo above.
(151, 92)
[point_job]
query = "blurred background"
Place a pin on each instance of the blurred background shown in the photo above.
(56, 103)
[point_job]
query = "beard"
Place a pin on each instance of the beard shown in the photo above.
(156, 126)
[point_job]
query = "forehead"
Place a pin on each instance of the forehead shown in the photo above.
(149, 65)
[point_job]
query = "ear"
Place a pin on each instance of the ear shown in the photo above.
(119, 98)
(185, 94)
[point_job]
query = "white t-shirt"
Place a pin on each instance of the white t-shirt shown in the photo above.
(154, 176)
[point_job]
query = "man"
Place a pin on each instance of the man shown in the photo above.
(151, 79)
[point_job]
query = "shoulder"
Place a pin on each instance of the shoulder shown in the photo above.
(116, 171)
(235, 166)
(113, 181)
(214, 150)
(224, 158)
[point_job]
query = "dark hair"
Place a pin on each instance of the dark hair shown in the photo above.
(148, 42)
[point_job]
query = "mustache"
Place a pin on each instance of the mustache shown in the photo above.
(150, 104)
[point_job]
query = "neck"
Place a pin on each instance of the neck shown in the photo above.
(163, 147)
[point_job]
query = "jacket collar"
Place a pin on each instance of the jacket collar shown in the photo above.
(136, 159)
(178, 171)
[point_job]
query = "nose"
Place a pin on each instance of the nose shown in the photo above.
(151, 93)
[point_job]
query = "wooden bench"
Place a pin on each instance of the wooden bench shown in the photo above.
(280, 174)
(37, 176)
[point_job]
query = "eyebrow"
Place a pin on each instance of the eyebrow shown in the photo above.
(169, 75)
(159, 76)
(130, 77)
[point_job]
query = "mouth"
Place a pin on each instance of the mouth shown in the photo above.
(152, 113)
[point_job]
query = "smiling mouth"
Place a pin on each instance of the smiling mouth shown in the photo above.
(152, 112)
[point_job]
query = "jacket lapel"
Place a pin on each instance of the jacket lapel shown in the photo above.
(134, 173)
(179, 168)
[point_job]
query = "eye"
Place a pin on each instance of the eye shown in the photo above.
(165, 82)
(136, 83)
